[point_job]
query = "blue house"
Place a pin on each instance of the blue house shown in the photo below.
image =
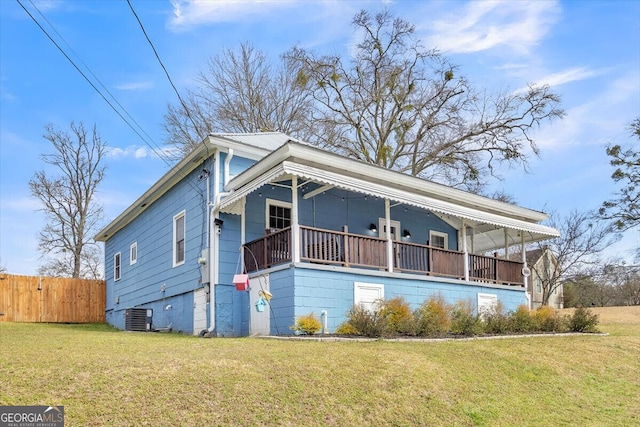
(313, 231)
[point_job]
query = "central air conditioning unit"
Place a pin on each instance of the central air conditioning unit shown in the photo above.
(138, 319)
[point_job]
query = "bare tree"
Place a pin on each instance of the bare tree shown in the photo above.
(624, 209)
(582, 238)
(240, 92)
(401, 106)
(68, 201)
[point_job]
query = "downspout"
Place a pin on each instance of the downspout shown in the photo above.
(214, 238)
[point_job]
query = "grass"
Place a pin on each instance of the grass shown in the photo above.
(108, 377)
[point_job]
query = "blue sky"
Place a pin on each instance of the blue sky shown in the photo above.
(589, 51)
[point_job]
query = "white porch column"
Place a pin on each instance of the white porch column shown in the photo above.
(387, 217)
(506, 243)
(295, 226)
(465, 250)
(243, 231)
(525, 279)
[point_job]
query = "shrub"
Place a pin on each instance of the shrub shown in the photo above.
(307, 325)
(496, 320)
(345, 328)
(521, 320)
(464, 321)
(397, 316)
(546, 319)
(432, 318)
(583, 320)
(365, 322)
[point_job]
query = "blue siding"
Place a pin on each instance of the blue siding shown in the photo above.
(336, 208)
(317, 290)
(142, 283)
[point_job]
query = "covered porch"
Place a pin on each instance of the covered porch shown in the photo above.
(346, 249)
(487, 237)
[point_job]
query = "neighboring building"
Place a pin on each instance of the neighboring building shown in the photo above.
(544, 267)
(315, 232)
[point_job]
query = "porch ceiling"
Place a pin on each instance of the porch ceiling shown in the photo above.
(489, 233)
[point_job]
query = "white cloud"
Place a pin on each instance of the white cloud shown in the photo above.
(143, 85)
(138, 152)
(480, 26)
(566, 76)
(130, 151)
(190, 13)
(598, 121)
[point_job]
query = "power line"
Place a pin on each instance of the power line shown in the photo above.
(144, 31)
(90, 82)
(149, 143)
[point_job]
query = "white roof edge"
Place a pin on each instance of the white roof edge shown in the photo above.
(361, 186)
(310, 153)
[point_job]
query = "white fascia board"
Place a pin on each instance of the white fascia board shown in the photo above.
(312, 155)
(418, 200)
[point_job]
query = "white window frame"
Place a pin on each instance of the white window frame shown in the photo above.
(433, 233)
(117, 266)
(175, 238)
(274, 202)
(133, 253)
(538, 283)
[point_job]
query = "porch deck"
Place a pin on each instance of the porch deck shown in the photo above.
(355, 250)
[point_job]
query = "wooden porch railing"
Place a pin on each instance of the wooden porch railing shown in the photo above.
(349, 250)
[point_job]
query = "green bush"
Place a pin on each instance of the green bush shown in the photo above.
(433, 317)
(397, 317)
(583, 320)
(464, 321)
(307, 325)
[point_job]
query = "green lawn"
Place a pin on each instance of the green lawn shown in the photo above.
(107, 377)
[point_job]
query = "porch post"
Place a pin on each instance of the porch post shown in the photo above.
(295, 227)
(465, 251)
(506, 243)
(525, 279)
(387, 217)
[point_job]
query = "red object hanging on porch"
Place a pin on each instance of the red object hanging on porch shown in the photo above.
(241, 281)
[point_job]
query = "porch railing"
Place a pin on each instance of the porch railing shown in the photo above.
(354, 250)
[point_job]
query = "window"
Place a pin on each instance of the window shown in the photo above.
(117, 268)
(438, 239)
(178, 239)
(278, 214)
(538, 285)
(133, 253)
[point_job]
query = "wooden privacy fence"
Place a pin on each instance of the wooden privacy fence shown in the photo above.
(51, 299)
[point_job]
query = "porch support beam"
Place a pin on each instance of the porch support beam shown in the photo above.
(525, 279)
(295, 226)
(317, 191)
(387, 217)
(465, 250)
